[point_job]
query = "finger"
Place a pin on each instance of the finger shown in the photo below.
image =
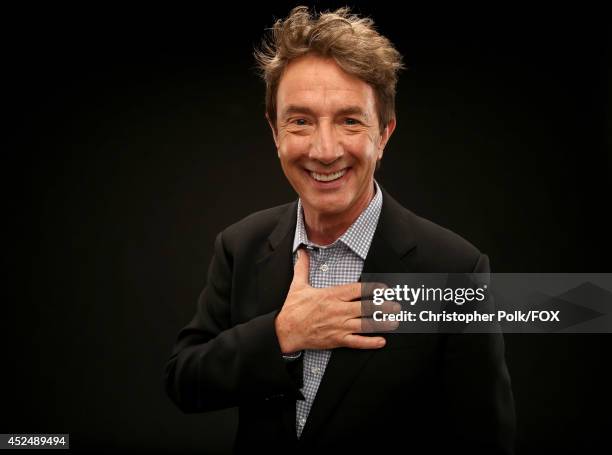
(346, 292)
(368, 307)
(301, 269)
(371, 325)
(358, 291)
(353, 309)
(363, 342)
(374, 290)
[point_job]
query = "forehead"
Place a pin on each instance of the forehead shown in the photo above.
(320, 84)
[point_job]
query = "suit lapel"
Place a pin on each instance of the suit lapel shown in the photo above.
(392, 241)
(274, 275)
(275, 269)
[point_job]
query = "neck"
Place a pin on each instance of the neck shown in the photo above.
(326, 228)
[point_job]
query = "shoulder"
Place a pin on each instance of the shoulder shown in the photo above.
(441, 240)
(435, 248)
(257, 227)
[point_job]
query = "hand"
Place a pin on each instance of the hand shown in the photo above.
(324, 318)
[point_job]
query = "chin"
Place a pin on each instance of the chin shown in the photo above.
(327, 202)
(330, 210)
(330, 207)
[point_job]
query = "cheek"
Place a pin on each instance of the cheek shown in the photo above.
(361, 148)
(294, 147)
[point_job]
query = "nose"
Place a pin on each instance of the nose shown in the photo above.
(325, 146)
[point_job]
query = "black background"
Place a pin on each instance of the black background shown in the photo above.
(135, 137)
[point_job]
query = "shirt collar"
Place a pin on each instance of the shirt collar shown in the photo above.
(357, 237)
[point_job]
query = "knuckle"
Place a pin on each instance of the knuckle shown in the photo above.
(328, 293)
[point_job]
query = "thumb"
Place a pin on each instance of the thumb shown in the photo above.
(301, 269)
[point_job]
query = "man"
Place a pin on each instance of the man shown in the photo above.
(284, 343)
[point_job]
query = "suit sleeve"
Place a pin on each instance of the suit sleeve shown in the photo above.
(478, 390)
(215, 365)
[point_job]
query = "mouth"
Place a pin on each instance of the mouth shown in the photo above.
(328, 177)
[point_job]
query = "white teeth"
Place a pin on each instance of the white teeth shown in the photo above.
(328, 177)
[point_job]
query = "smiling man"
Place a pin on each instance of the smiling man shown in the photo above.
(278, 329)
(329, 140)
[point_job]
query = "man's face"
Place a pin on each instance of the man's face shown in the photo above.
(327, 135)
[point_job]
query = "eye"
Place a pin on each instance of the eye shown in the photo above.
(351, 121)
(300, 122)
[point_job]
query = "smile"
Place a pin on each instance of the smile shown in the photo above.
(328, 177)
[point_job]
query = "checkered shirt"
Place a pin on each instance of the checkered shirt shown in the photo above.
(332, 265)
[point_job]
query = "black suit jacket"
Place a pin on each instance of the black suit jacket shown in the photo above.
(427, 393)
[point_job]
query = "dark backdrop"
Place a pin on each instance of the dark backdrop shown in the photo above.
(133, 140)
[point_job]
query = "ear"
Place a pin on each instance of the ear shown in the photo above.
(273, 128)
(385, 135)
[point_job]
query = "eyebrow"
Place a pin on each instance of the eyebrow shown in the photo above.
(348, 110)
